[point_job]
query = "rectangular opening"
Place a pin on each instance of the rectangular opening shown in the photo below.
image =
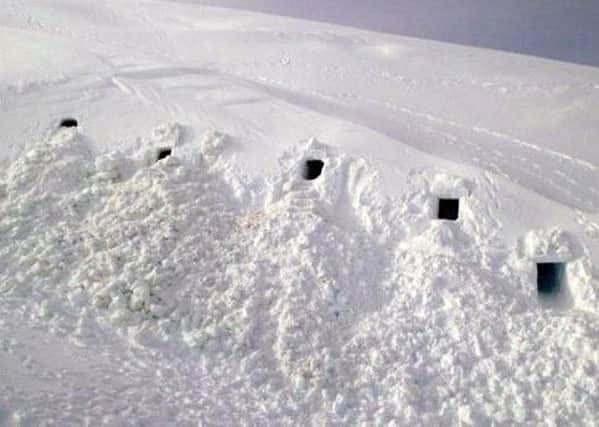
(312, 169)
(550, 276)
(163, 153)
(68, 123)
(449, 209)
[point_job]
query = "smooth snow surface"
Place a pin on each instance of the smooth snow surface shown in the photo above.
(555, 29)
(217, 285)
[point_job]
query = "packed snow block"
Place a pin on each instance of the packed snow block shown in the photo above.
(312, 169)
(550, 276)
(449, 209)
(68, 123)
(163, 153)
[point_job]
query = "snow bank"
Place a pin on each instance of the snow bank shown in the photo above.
(331, 300)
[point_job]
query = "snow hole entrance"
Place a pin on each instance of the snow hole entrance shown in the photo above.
(312, 169)
(449, 209)
(163, 153)
(68, 123)
(550, 277)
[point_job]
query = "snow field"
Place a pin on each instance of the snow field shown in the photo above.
(217, 286)
(326, 300)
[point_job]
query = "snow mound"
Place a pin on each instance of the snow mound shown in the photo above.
(328, 297)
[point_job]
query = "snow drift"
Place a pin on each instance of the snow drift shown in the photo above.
(313, 285)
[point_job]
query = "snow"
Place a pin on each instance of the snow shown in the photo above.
(555, 29)
(217, 286)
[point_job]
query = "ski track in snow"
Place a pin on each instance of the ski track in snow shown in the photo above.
(187, 291)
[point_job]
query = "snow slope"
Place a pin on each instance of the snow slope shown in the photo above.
(218, 287)
(553, 29)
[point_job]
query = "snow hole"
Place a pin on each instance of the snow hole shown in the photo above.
(163, 153)
(68, 123)
(550, 276)
(449, 209)
(312, 169)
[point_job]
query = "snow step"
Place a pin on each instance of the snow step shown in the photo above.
(300, 202)
(298, 187)
(300, 196)
(305, 209)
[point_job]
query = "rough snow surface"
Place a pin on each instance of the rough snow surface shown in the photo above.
(216, 286)
(322, 300)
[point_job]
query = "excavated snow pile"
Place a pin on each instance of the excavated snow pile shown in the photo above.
(328, 301)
